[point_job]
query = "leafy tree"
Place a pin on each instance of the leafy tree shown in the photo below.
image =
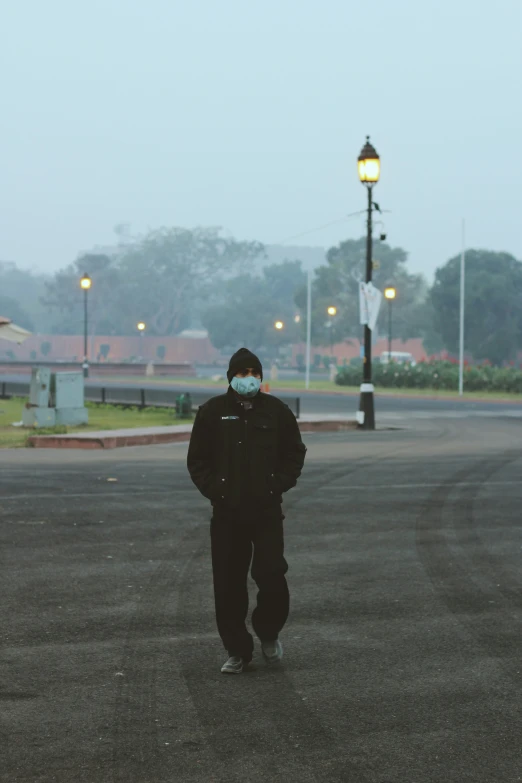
(493, 315)
(11, 308)
(162, 277)
(337, 283)
(171, 271)
(251, 306)
(63, 293)
(25, 288)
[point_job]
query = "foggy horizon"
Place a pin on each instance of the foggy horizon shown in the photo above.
(252, 119)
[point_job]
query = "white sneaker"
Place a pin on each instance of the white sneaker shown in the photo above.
(234, 665)
(272, 651)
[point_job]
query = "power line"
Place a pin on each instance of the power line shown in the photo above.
(320, 228)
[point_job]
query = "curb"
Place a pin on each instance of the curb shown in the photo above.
(75, 441)
(105, 442)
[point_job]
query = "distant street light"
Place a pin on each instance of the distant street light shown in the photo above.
(279, 325)
(390, 293)
(332, 310)
(297, 319)
(369, 167)
(141, 327)
(85, 283)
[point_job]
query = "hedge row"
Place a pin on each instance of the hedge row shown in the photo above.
(435, 375)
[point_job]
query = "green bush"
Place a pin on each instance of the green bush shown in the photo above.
(435, 375)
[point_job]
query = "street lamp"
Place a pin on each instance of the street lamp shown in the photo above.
(369, 167)
(85, 283)
(390, 293)
(331, 311)
(141, 327)
(279, 324)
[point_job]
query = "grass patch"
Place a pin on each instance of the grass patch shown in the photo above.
(101, 417)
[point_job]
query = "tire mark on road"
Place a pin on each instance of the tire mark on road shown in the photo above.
(502, 582)
(445, 433)
(462, 588)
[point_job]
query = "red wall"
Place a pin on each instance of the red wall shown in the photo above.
(177, 349)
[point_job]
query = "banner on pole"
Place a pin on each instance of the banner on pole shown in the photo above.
(370, 299)
(363, 304)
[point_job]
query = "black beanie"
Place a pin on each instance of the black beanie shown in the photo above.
(242, 359)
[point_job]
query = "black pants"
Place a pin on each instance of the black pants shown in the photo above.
(232, 537)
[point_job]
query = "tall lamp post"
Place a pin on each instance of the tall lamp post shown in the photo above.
(331, 312)
(369, 166)
(85, 283)
(140, 326)
(390, 293)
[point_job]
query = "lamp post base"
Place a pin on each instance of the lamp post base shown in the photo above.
(366, 413)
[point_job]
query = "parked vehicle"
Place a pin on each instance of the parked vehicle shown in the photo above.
(401, 357)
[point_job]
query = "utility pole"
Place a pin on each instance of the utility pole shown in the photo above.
(461, 330)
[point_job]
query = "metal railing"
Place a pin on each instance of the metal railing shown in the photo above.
(131, 396)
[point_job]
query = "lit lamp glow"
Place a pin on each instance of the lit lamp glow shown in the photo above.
(390, 293)
(279, 324)
(141, 326)
(86, 282)
(332, 310)
(369, 164)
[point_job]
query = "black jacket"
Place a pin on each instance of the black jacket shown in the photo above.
(237, 456)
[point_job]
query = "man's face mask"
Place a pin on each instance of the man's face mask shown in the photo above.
(246, 387)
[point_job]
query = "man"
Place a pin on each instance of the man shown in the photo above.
(245, 451)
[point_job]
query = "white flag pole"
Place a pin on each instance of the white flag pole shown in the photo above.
(461, 335)
(308, 327)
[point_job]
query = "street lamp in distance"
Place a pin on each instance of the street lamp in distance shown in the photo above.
(85, 283)
(279, 325)
(390, 293)
(332, 310)
(140, 326)
(369, 168)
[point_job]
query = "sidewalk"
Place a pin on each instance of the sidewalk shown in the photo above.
(145, 436)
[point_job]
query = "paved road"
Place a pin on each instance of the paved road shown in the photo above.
(309, 402)
(402, 648)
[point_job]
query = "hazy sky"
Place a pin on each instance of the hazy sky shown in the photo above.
(251, 115)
